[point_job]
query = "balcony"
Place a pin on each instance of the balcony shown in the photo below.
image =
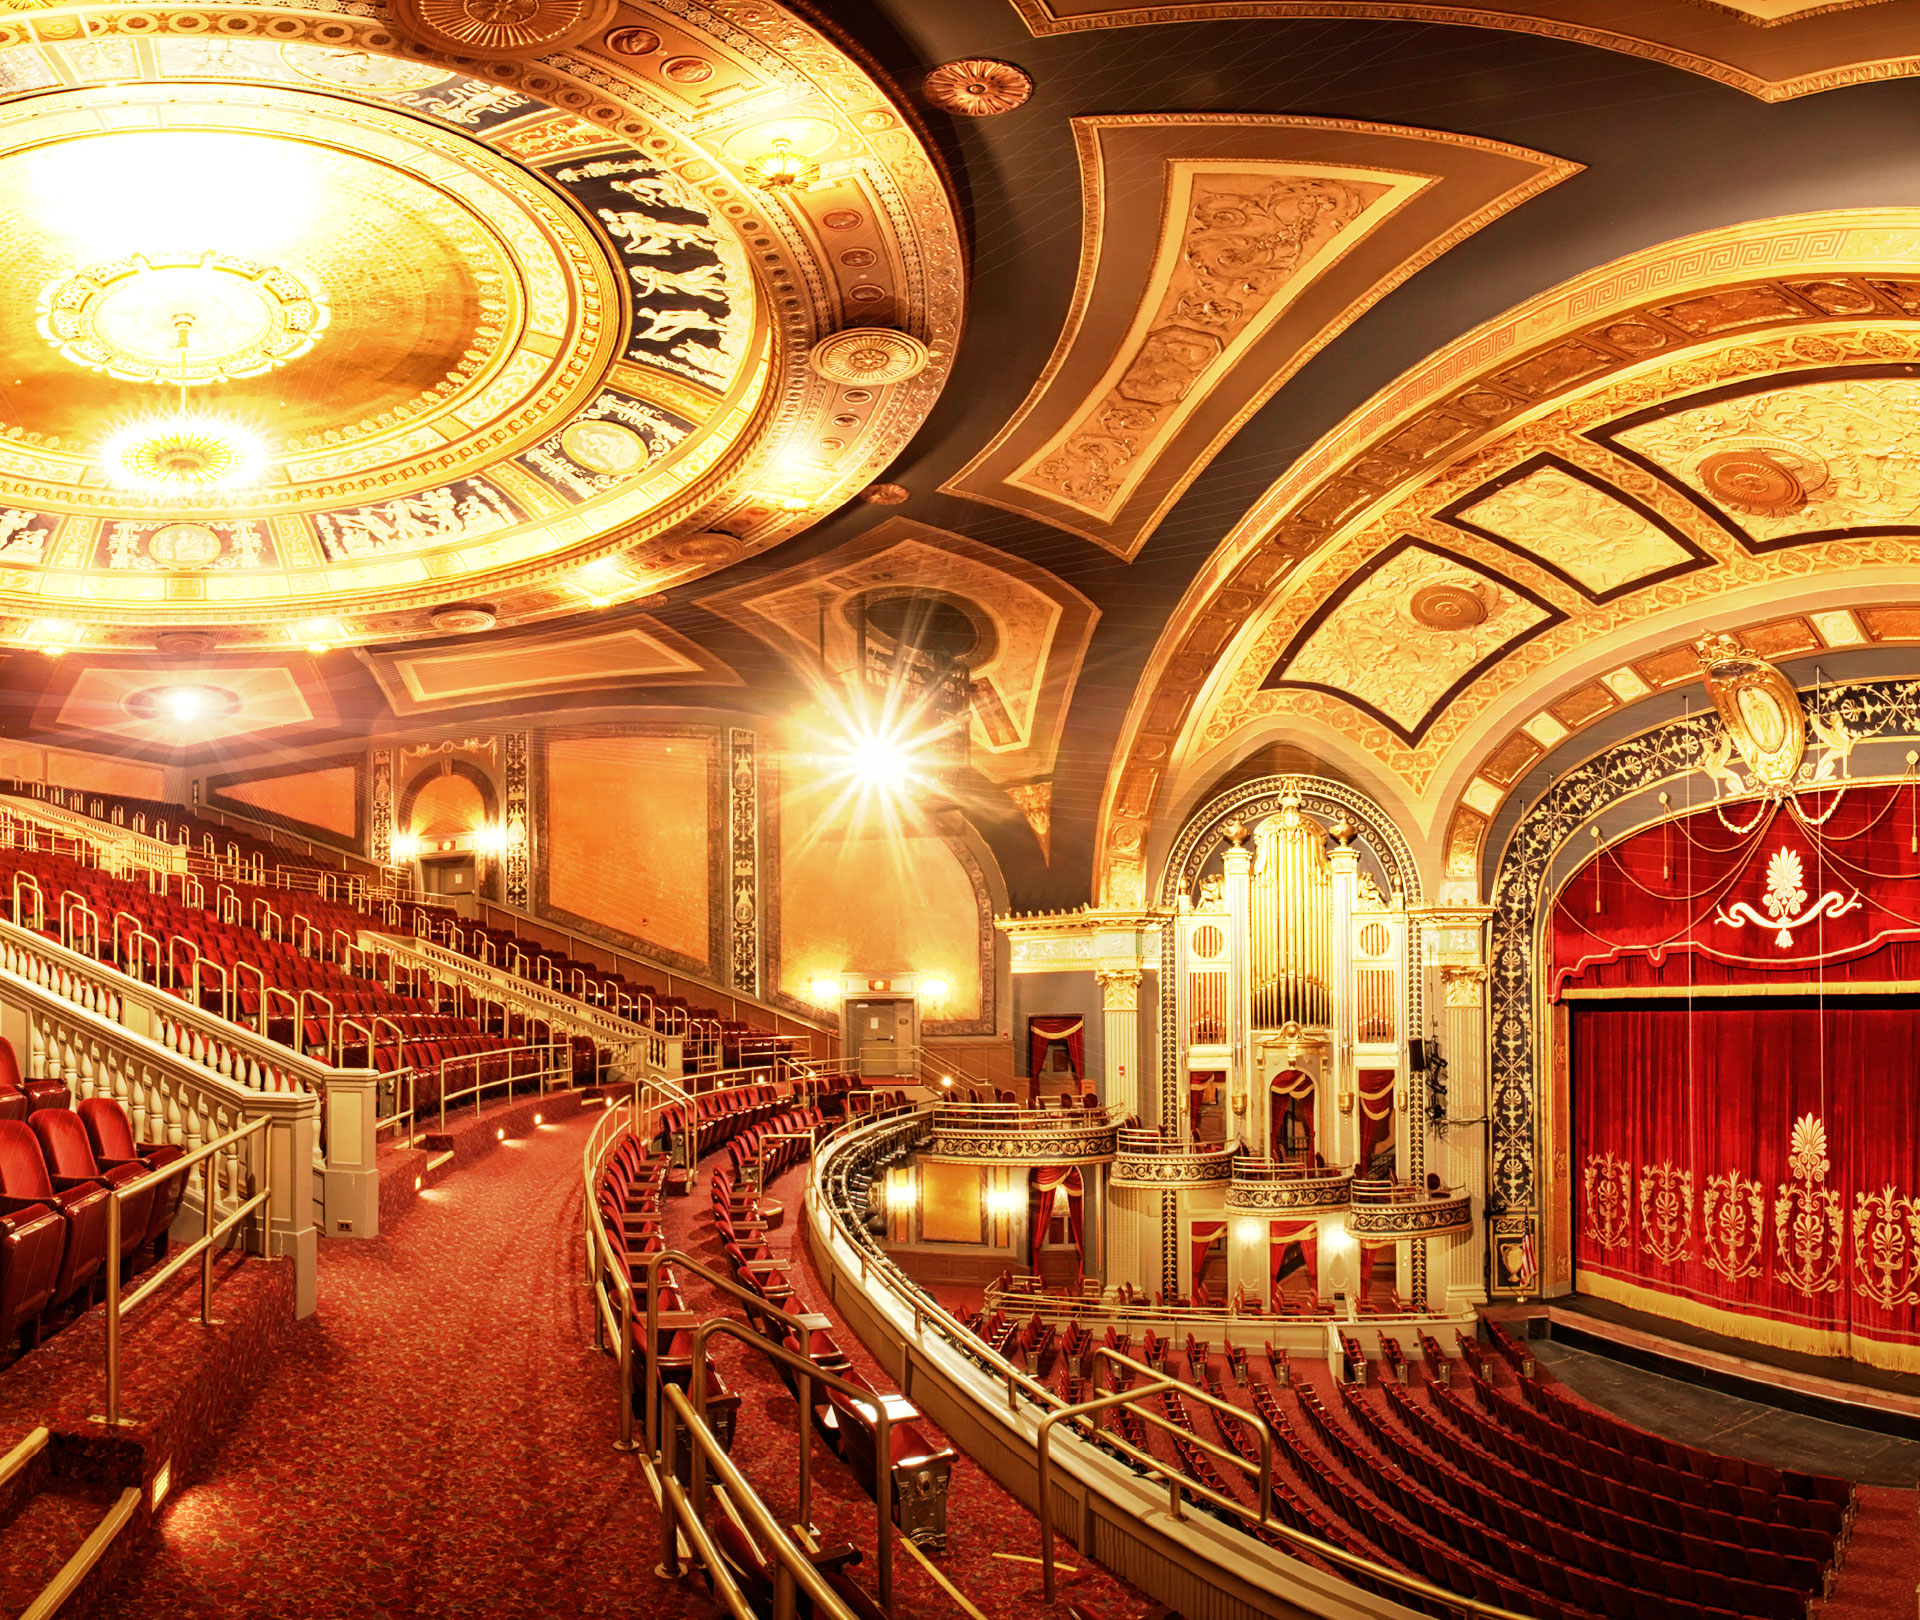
(1005, 1133)
(1146, 1159)
(1393, 1209)
(1273, 1186)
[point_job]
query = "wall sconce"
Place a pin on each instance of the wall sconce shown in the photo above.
(824, 991)
(405, 847)
(1005, 1202)
(1249, 1232)
(1336, 1239)
(935, 990)
(489, 839)
(1344, 1097)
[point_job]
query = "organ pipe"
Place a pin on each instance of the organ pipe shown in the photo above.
(1291, 905)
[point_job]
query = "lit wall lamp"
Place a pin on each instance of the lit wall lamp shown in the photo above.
(489, 838)
(935, 990)
(405, 847)
(824, 991)
(1249, 1233)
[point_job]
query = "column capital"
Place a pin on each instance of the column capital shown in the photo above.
(1119, 988)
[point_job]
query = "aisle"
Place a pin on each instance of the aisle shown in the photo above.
(436, 1440)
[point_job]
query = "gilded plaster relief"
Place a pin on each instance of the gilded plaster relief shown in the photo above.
(1033, 628)
(1581, 530)
(1219, 254)
(1814, 307)
(1838, 454)
(1732, 41)
(1407, 633)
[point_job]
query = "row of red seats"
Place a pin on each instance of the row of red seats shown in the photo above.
(170, 823)
(1569, 1525)
(56, 1172)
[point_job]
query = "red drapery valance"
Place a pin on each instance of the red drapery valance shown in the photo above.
(1043, 1183)
(1204, 1235)
(1294, 1085)
(1282, 1235)
(1057, 1029)
(1375, 1090)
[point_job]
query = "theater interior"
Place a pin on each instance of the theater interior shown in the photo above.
(953, 809)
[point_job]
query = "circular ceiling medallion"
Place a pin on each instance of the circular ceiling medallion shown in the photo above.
(195, 319)
(184, 643)
(868, 355)
(1448, 607)
(978, 87)
(709, 549)
(605, 447)
(885, 494)
(633, 41)
(1762, 478)
(187, 453)
(183, 545)
(501, 27)
(464, 617)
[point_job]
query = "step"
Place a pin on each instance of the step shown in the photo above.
(43, 1532)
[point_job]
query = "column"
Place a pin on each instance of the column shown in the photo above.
(1343, 1133)
(1463, 1158)
(1093, 1218)
(1120, 1014)
(1238, 893)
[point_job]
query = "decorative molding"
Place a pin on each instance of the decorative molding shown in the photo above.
(380, 817)
(1172, 1168)
(1220, 253)
(1300, 1195)
(744, 863)
(517, 813)
(1405, 1222)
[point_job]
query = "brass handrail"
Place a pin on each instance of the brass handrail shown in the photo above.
(551, 1066)
(790, 1558)
(792, 1564)
(85, 1556)
(201, 1247)
(970, 1346)
(30, 1447)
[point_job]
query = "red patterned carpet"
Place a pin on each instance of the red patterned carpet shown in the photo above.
(436, 1441)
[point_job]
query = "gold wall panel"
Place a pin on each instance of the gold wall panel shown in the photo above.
(1219, 254)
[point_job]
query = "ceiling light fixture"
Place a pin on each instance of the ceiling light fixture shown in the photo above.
(186, 451)
(781, 168)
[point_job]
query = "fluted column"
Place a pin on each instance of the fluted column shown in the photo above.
(1238, 894)
(1464, 1154)
(1120, 1031)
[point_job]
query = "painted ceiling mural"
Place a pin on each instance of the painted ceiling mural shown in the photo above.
(1363, 380)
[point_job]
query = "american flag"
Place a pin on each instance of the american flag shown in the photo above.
(1528, 1268)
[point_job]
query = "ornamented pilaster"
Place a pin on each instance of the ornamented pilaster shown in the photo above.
(380, 819)
(1451, 947)
(517, 819)
(744, 846)
(1120, 1009)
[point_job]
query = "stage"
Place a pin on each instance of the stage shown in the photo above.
(1829, 1388)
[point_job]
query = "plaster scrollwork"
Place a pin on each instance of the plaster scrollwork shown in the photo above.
(1119, 989)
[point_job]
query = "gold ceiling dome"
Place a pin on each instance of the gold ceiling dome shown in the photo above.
(306, 330)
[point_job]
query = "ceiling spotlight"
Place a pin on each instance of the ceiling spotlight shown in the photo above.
(781, 168)
(184, 704)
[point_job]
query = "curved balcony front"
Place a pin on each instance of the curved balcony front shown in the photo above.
(1270, 1186)
(1396, 1211)
(1004, 1133)
(1146, 1159)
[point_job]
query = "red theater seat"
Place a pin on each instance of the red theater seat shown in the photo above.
(111, 1134)
(26, 1184)
(69, 1155)
(39, 1093)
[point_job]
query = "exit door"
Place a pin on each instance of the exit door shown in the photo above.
(881, 1031)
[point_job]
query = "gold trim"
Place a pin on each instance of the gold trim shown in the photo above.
(1041, 22)
(1088, 132)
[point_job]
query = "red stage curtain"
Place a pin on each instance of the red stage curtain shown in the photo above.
(1043, 1183)
(1297, 1084)
(1281, 1236)
(1376, 1111)
(1198, 1081)
(1204, 1235)
(1756, 1167)
(1063, 1029)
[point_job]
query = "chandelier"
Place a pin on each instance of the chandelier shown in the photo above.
(184, 451)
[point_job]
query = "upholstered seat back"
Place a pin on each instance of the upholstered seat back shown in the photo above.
(108, 1128)
(9, 1067)
(63, 1141)
(23, 1168)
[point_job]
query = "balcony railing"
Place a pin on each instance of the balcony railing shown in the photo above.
(1005, 1133)
(1297, 1189)
(1395, 1209)
(1144, 1158)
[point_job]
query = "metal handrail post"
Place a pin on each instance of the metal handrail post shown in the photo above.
(1043, 1444)
(113, 1312)
(206, 1254)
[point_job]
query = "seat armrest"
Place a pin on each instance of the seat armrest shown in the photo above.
(831, 1560)
(19, 1206)
(79, 1183)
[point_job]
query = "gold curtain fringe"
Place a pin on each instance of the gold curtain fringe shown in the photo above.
(1795, 1336)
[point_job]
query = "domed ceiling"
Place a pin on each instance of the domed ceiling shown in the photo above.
(307, 339)
(1392, 390)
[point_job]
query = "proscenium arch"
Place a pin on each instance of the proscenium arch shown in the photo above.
(1255, 573)
(1884, 718)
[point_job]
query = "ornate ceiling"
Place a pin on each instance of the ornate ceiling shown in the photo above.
(1393, 389)
(529, 341)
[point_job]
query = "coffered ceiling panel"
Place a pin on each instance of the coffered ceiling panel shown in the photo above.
(1407, 633)
(186, 708)
(1739, 42)
(1780, 465)
(1219, 254)
(1591, 535)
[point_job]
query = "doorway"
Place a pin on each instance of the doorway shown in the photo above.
(880, 1031)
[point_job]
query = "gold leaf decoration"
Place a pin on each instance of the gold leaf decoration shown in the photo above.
(1666, 1212)
(1886, 1248)
(1809, 1227)
(1733, 1212)
(1609, 1200)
